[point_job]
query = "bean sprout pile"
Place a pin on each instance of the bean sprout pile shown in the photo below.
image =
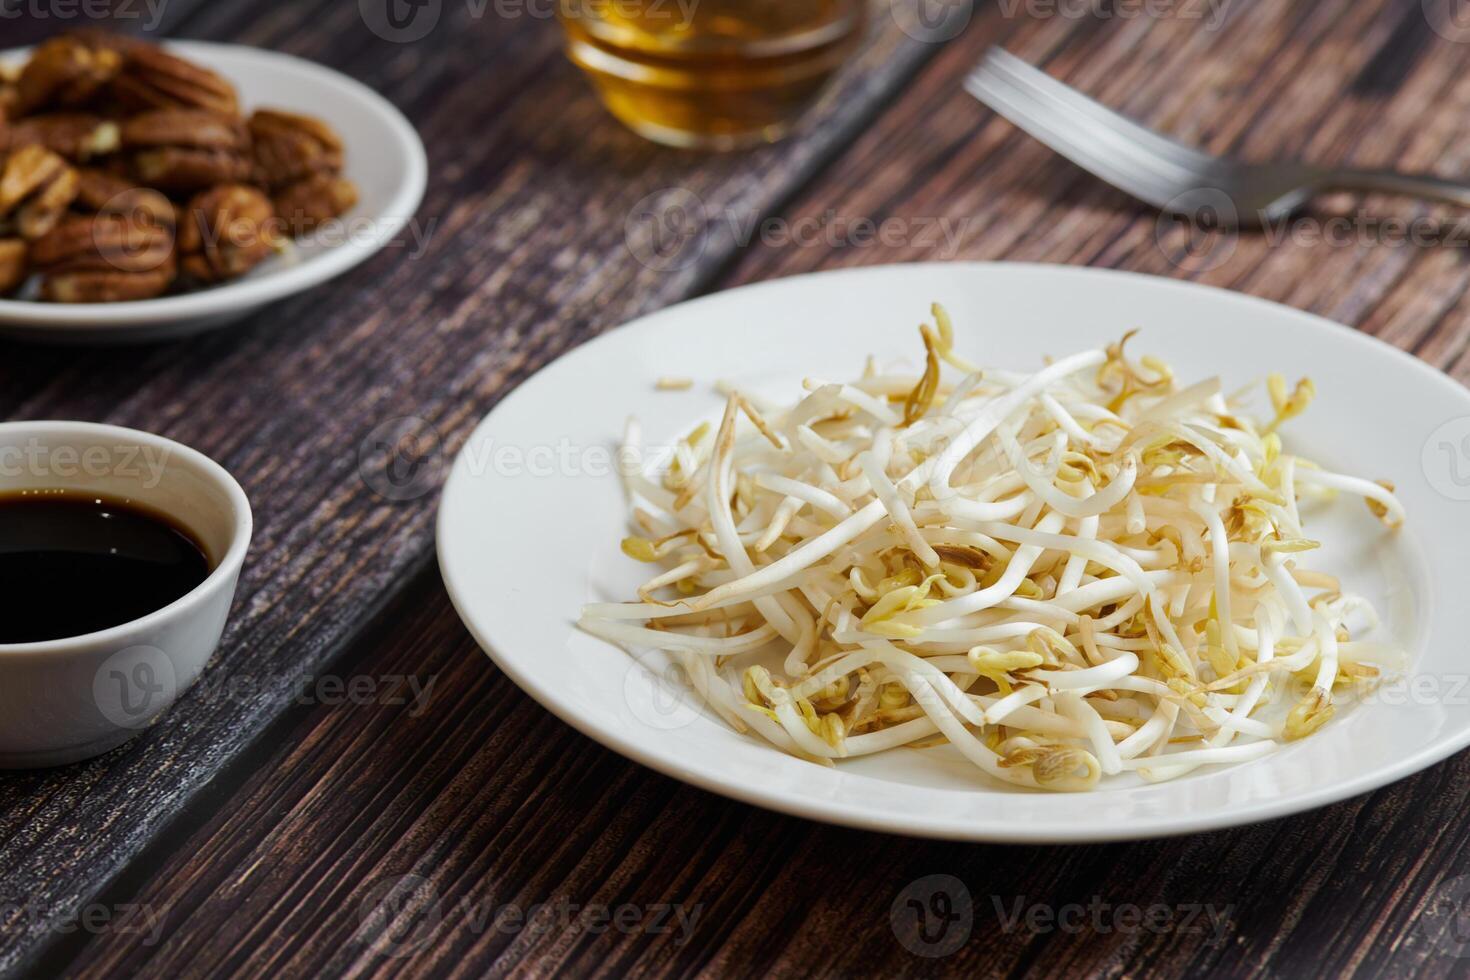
(1075, 573)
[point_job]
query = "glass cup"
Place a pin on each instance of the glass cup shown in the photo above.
(711, 74)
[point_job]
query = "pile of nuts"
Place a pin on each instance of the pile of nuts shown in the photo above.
(127, 172)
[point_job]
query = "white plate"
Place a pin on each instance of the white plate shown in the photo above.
(532, 515)
(384, 157)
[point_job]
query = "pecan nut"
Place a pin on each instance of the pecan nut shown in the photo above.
(290, 147)
(36, 188)
(151, 78)
(101, 137)
(97, 37)
(307, 203)
(9, 97)
(184, 150)
(105, 258)
(77, 136)
(225, 232)
(14, 264)
(67, 72)
(100, 192)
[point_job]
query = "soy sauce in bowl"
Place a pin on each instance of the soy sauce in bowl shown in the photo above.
(73, 563)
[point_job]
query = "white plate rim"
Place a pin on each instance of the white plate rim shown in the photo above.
(277, 283)
(844, 814)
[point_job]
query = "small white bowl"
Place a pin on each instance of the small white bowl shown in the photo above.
(66, 700)
(384, 157)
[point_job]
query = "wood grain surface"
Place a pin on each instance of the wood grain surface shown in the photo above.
(476, 834)
(522, 251)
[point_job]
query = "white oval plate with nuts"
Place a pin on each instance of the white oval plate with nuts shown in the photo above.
(384, 158)
(534, 509)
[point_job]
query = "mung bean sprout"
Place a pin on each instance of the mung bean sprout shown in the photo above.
(1066, 575)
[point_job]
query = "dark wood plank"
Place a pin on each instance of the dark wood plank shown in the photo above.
(496, 804)
(524, 252)
(1275, 81)
(498, 807)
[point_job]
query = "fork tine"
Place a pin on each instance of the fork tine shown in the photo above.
(1116, 145)
(1027, 76)
(1131, 169)
(1103, 141)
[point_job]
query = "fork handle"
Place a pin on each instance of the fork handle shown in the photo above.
(1393, 182)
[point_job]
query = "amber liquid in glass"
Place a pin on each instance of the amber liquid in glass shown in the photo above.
(710, 74)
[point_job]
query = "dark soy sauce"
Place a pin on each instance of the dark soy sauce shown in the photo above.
(72, 563)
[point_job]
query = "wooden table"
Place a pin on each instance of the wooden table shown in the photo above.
(268, 823)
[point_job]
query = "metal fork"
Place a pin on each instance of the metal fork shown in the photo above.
(1167, 174)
